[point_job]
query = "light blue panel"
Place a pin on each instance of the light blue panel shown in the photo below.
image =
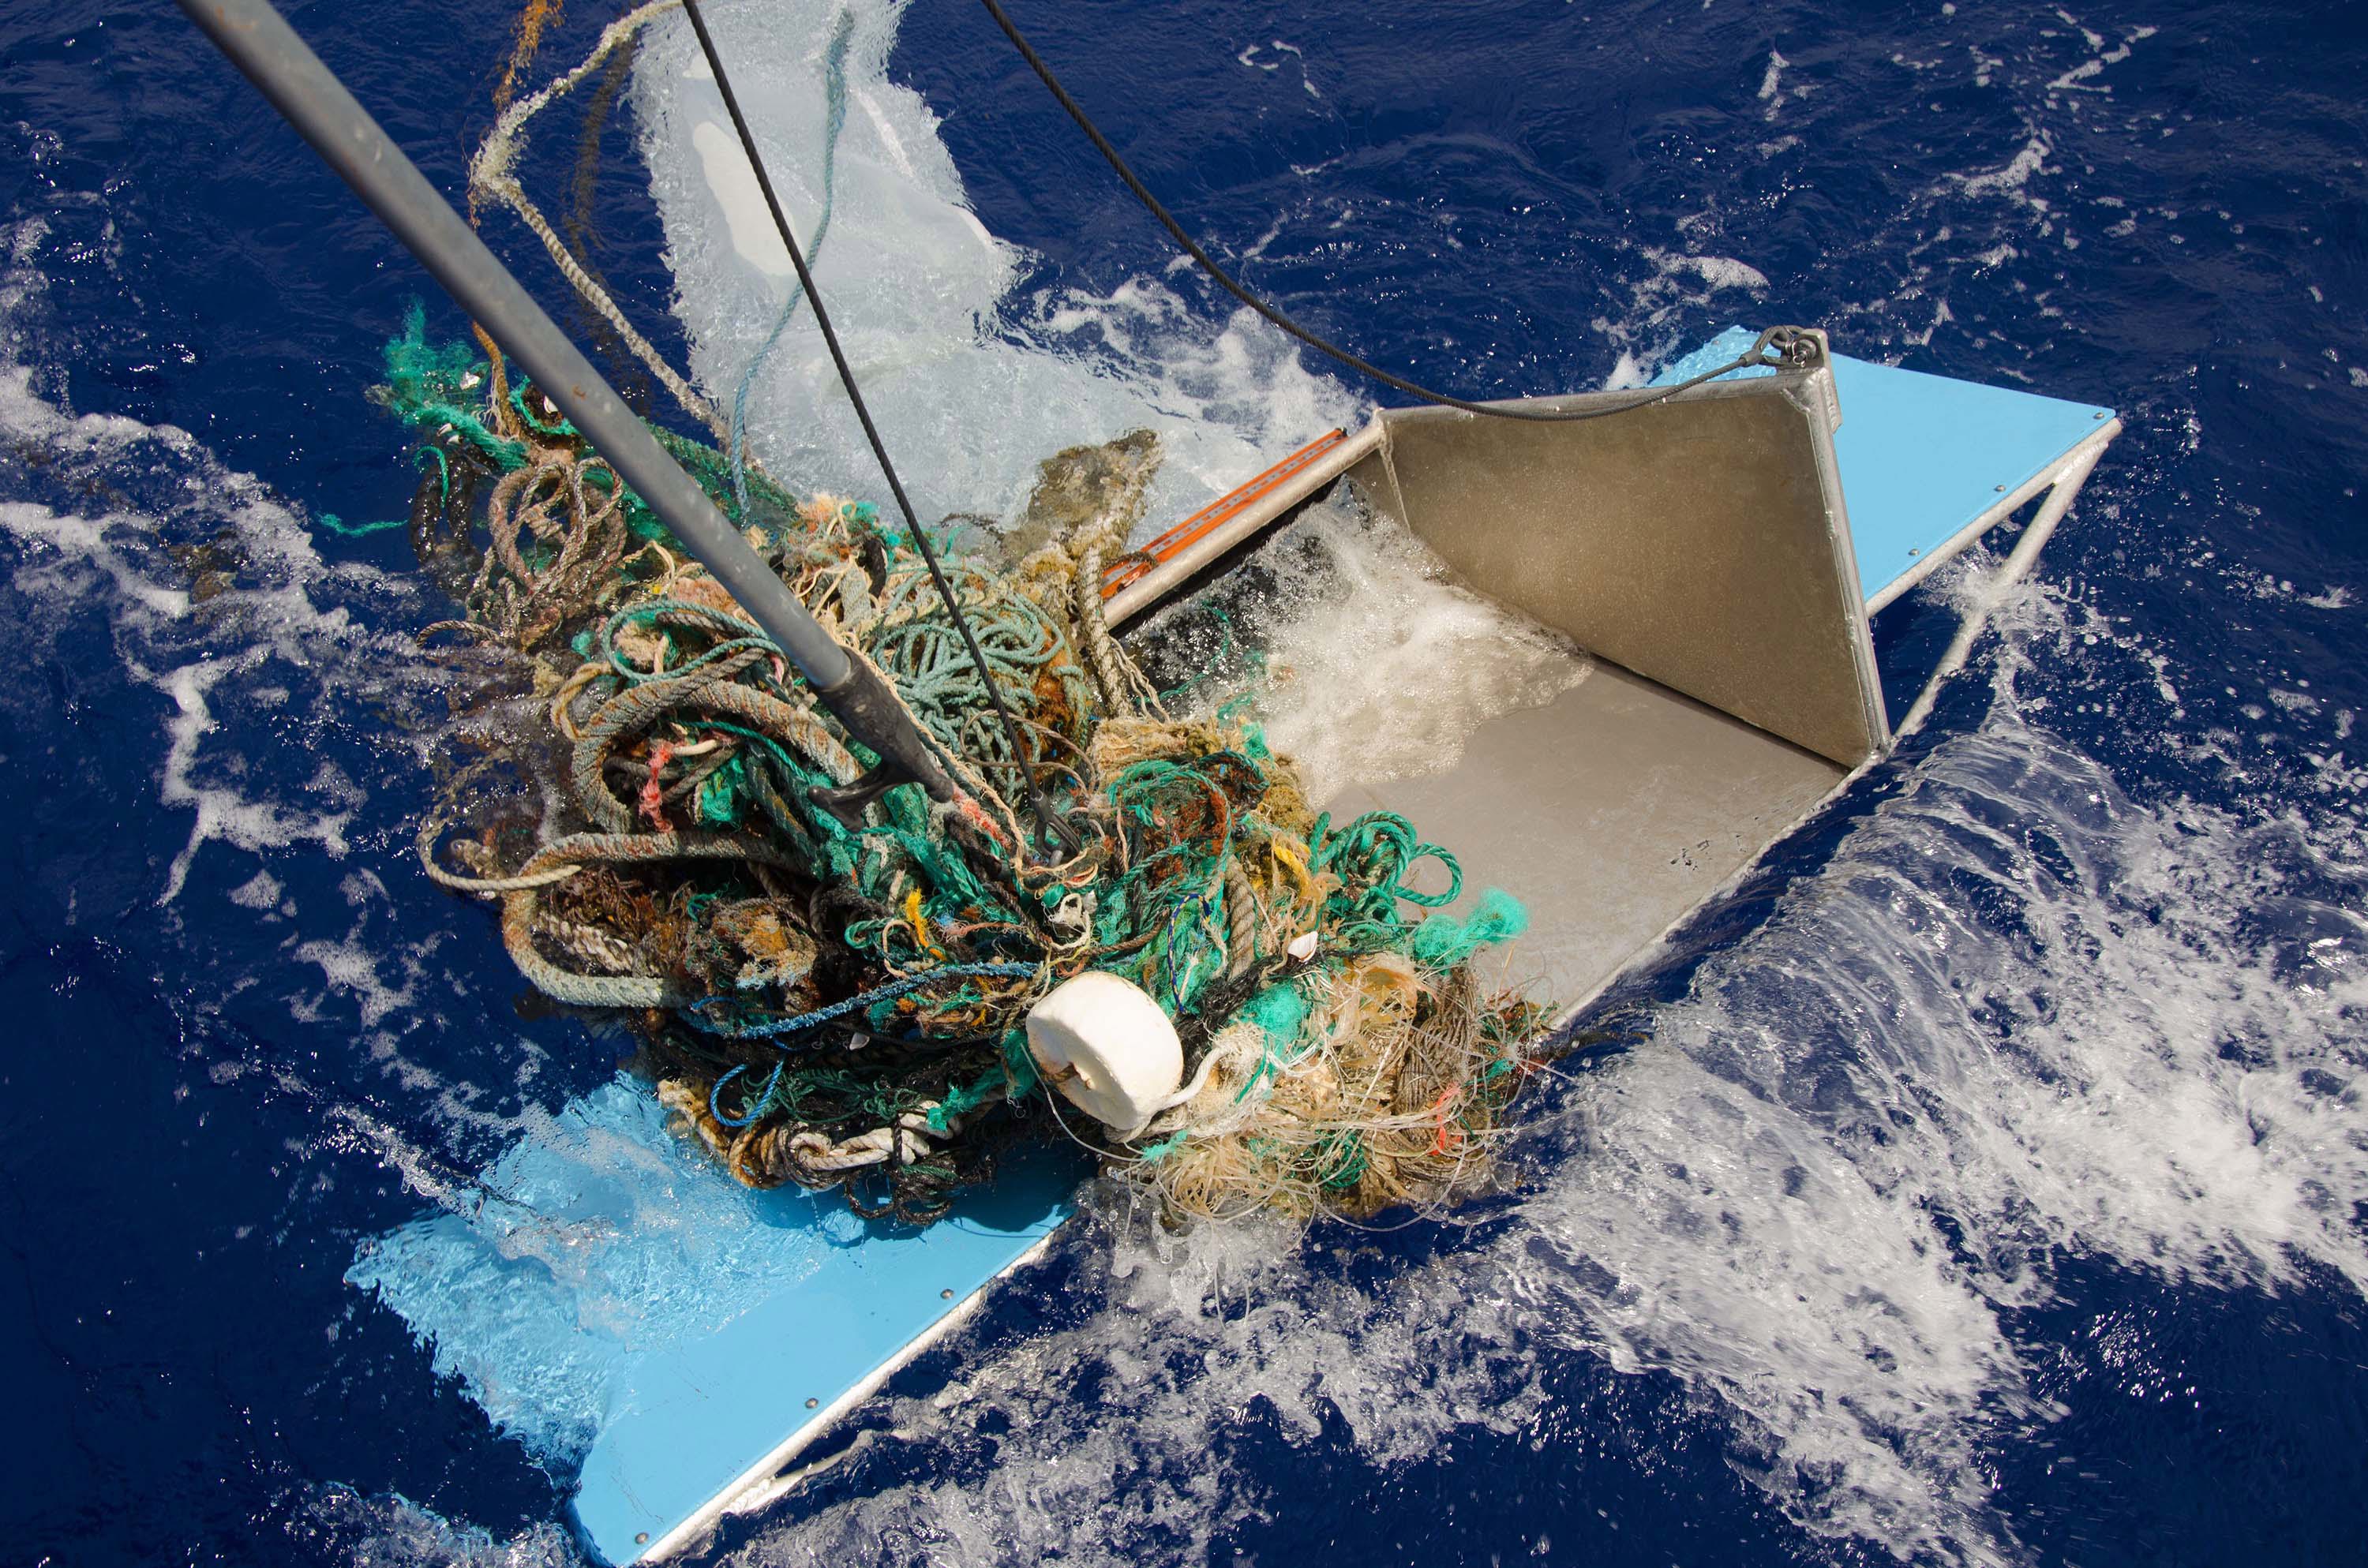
(613, 1301)
(1726, 345)
(1921, 456)
(690, 1418)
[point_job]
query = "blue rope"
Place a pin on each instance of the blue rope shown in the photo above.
(698, 1011)
(834, 120)
(756, 1108)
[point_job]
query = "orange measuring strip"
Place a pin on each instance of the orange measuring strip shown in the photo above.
(1225, 507)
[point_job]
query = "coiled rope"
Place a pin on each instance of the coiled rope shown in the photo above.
(686, 874)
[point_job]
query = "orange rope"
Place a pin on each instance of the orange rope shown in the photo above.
(538, 15)
(1438, 1144)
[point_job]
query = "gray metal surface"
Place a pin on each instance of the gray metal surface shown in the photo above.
(1701, 542)
(1609, 813)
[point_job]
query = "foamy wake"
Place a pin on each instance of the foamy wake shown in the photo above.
(1376, 664)
(974, 377)
(2020, 1016)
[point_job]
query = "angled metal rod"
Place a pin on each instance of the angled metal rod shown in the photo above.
(259, 42)
(1991, 592)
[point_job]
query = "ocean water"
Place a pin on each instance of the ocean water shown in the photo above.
(1989, 1186)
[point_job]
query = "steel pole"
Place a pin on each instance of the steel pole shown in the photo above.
(307, 94)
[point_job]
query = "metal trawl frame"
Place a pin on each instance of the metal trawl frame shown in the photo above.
(2062, 483)
(1314, 479)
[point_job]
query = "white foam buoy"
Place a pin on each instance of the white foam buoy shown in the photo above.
(1104, 1044)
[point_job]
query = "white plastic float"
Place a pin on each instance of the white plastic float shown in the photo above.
(1101, 1041)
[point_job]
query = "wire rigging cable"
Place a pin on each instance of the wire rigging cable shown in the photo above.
(1757, 355)
(1051, 829)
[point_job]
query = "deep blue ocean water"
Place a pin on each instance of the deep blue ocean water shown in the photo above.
(1992, 1187)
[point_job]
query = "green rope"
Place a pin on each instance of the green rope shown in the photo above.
(952, 912)
(337, 525)
(834, 121)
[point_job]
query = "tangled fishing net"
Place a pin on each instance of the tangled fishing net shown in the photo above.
(841, 1001)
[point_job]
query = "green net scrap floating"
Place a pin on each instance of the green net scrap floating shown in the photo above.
(845, 1005)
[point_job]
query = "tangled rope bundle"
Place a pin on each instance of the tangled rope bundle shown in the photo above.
(842, 1002)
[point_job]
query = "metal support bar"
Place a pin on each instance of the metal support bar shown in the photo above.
(258, 41)
(2005, 506)
(2064, 490)
(1261, 513)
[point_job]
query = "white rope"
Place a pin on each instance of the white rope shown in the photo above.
(818, 1153)
(493, 172)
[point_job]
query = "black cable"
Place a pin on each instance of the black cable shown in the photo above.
(1225, 280)
(1050, 827)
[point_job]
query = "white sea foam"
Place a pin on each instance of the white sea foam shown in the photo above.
(1378, 665)
(973, 376)
(2015, 176)
(390, 1530)
(1668, 301)
(1771, 86)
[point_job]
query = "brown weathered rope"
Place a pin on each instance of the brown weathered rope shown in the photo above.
(521, 909)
